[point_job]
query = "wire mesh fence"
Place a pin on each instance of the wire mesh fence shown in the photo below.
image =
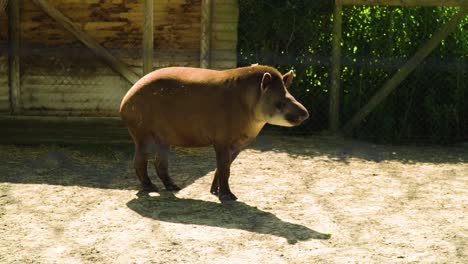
(430, 105)
(63, 70)
(277, 33)
(62, 76)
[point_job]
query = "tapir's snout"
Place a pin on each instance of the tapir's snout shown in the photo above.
(299, 115)
(304, 114)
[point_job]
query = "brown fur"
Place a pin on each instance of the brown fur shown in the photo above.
(193, 107)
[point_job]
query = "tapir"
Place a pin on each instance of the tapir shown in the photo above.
(193, 107)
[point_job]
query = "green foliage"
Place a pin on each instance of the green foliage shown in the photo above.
(273, 33)
(430, 105)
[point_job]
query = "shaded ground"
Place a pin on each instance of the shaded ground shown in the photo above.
(380, 203)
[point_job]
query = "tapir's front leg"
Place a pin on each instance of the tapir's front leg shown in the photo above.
(223, 162)
(215, 185)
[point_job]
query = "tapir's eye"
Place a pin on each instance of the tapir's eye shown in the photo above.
(280, 105)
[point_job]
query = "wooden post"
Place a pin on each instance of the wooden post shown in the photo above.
(14, 56)
(3, 7)
(148, 33)
(334, 108)
(405, 70)
(205, 38)
(92, 44)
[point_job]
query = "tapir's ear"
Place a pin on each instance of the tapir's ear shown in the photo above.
(288, 78)
(266, 80)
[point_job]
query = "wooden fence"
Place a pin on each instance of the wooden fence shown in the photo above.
(78, 58)
(70, 62)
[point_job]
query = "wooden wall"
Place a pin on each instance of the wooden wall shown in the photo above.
(224, 34)
(61, 76)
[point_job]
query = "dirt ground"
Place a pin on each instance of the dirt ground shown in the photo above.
(381, 204)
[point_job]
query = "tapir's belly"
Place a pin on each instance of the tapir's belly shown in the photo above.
(179, 133)
(177, 119)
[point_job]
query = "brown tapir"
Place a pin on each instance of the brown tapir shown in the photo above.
(193, 107)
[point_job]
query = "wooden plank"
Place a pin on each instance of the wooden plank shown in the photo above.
(70, 112)
(102, 25)
(230, 55)
(223, 27)
(205, 37)
(405, 70)
(163, 64)
(334, 110)
(223, 45)
(3, 7)
(63, 119)
(65, 97)
(39, 84)
(224, 64)
(95, 107)
(17, 130)
(14, 58)
(92, 44)
(148, 36)
(225, 17)
(225, 35)
(230, 8)
(405, 2)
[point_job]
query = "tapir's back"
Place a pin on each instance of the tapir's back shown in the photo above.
(181, 106)
(173, 81)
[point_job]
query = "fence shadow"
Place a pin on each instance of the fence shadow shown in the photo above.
(110, 166)
(97, 166)
(233, 215)
(342, 150)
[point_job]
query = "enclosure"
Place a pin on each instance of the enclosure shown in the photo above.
(377, 174)
(380, 70)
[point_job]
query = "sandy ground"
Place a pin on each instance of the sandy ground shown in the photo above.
(381, 204)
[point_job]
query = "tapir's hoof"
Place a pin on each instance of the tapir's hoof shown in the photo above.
(214, 191)
(172, 188)
(227, 197)
(149, 188)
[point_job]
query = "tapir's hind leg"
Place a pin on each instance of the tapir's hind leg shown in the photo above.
(161, 164)
(143, 144)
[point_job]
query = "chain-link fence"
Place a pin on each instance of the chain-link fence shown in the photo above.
(430, 105)
(69, 49)
(291, 35)
(62, 76)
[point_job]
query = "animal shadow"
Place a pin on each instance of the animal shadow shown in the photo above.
(233, 215)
